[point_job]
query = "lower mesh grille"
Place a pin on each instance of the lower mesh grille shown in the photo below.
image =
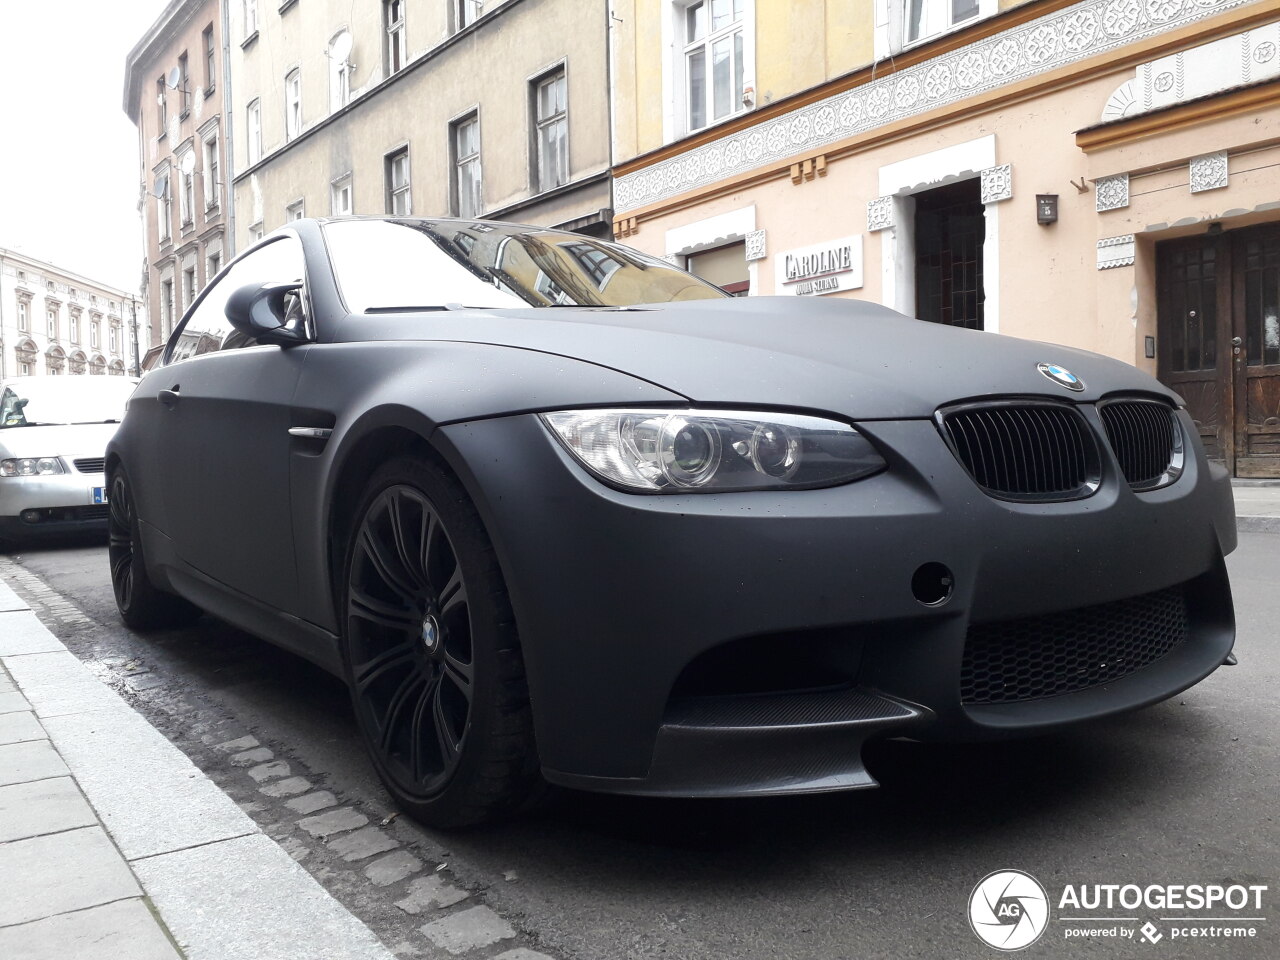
(1058, 653)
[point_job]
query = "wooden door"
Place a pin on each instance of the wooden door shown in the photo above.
(1193, 307)
(950, 228)
(1255, 350)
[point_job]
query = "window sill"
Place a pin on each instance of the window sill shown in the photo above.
(183, 115)
(249, 41)
(208, 91)
(286, 5)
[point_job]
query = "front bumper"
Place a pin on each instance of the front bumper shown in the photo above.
(652, 624)
(63, 503)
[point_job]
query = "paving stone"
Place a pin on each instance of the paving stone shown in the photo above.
(362, 843)
(287, 788)
(237, 745)
(10, 600)
(19, 727)
(146, 791)
(269, 771)
(247, 758)
(468, 930)
(57, 683)
(22, 633)
(13, 702)
(392, 869)
(212, 898)
(45, 806)
(30, 760)
(426, 893)
(312, 802)
(522, 953)
(335, 821)
(124, 929)
(295, 847)
(62, 872)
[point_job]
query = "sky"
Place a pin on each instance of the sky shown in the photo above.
(69, 174)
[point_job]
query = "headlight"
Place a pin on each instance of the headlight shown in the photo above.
(692, 451)
(31, 467)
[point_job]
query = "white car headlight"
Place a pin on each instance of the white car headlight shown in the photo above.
(713, 451)
(31, 467)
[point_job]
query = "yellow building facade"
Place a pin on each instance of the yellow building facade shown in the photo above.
(1104, 174)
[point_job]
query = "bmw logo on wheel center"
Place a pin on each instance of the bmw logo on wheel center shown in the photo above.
(1061, 376)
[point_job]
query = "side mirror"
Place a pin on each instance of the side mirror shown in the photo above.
(268, 313)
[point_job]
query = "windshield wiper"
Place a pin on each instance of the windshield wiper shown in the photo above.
(411, 308)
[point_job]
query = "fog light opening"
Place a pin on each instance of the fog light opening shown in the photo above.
(932, 584)
(30, 516)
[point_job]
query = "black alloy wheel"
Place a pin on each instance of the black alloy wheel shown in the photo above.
(430, 651)
(142, 605)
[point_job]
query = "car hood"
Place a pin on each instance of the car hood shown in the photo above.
(848, 357)
(57, 440)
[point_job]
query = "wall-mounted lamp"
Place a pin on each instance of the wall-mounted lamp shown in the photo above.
(1046, 208)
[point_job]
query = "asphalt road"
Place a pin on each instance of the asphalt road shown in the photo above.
(1185, 792)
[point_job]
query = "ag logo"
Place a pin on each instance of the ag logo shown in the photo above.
(1008, 910)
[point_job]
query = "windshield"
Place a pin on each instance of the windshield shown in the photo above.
(386, 265)
(37, 401)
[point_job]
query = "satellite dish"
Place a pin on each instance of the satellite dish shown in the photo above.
(160, 187)
(188, 163)
(341, 48)
(173, 78)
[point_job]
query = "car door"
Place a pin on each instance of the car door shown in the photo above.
(223, 429)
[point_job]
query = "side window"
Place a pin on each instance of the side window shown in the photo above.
(207, 329)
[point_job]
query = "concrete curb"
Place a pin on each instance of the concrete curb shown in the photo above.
(1256, 524)
(221, 887)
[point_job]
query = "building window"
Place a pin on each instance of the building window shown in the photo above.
(115, 339)
(713, 57)
(51, 316)
(164, 207)
(24, 369)
(93, 332)
(396, 52)
(295, 211)
(212, 187)
(340, 196)
(339, 71)
(399, 201)
(254, 127)
(166, 312)
(162, 106)
(212, 266)
(73, 327)
(186, 189)
(24, 310)
(184, 82)
(292, 104)
(250, 18)
(467, 192)
(923, 19)
(210, 60)
(466, 12)
(551, 131)
(725, 266)
(188, 289)
(255, 232)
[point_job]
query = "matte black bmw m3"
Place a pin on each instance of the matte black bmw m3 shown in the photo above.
(556, 510)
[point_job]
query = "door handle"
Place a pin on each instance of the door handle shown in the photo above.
(1236, 341)
(169, 397)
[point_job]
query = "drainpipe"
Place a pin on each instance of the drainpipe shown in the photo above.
(2, 338)
(228, 113)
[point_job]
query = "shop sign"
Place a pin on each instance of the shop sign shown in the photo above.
(823, 268)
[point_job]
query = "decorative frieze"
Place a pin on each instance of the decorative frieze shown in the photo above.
(755, 246)
(1116, 252)
(1247, 57)
(1067, 36)
(1111, 193)
(879, 214)
(1209, 172)
(997, 183)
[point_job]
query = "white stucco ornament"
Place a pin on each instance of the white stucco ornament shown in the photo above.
(1111, 193)
(1209, 172)
(879, 214)
(997, 183)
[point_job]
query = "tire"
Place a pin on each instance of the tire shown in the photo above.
(431, 654)
(142, 605)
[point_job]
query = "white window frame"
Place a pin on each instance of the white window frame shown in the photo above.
(212, 171)
(892, 23)
(399, 194)
(395, 48)
(51, 321)
(186, 188)
(188, 289)
(466, 12)
(341, 196)
(73, 327)
(24, 311)
(292, 104)
(164, 207)
(256, 232)
(253, 139)
(250, 18)
(541, 125)
(339, 75)
(460, 162)
(115, 339)
(295, 211)
(212, 264)
(675, 122)
(94, 328)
